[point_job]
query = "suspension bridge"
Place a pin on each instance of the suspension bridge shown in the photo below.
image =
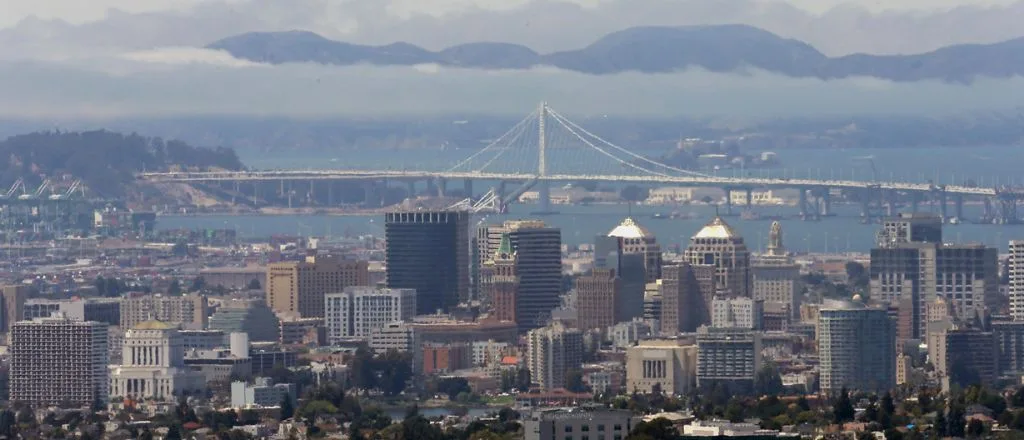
(546, 147)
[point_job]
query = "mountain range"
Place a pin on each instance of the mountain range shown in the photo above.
(650, 49)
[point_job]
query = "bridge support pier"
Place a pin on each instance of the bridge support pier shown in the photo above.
(467, 187)
(728, 201)
(411, 189)
(750, 198)
(442, 186)
(915, 201)
(803, 203)
(942, 206)
(544, 197)
(826, 203)
(891, 207)
(1007, 211)
(958, 206)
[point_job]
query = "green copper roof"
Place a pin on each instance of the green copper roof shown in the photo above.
(504, 247)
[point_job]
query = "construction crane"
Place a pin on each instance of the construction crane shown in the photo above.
(75, 186)
(38, 192)
(18, 184)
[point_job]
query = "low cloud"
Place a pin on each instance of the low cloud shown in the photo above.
(188, 82)
(836, 27)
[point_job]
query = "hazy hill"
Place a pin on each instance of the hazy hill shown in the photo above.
(720, 48)
(105, 161)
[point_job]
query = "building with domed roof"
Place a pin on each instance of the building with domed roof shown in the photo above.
(636, 239)
(718, 244)
(153, 365)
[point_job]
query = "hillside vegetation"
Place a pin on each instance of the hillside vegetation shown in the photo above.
(105, 161)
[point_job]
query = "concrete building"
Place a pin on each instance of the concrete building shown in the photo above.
(856, 347)
(666, 363)
(1016, 269)
(302, 331)
(251, 317)
(635, 239)
(744, 313)
(906, 228)
(203, 339)
(263, 393)
(966, 275)
(498, 282)
(299, 287)
(1009, 337)
(776, 278)
(597, 295)
(221, 365)
(538, 268)
(966, 357)
(686, 295)
(189, 310)
(485, 353)
(153, 365)
(394, 336)
(626, 334)
(12, 306)
(729, 356)
(357, 311)
(428, 251)
(58, 360)
(106, 310)
(579, 424)
(552, 352)
(718, 245)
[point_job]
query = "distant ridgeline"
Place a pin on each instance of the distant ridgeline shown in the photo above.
(104, 161)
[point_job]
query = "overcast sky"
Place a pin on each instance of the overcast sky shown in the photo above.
(114, 58)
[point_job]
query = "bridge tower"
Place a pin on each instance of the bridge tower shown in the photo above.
(543, 187)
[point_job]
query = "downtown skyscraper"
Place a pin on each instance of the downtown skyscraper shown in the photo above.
(429, 251)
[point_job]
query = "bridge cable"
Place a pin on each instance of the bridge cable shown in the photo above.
(601, 150)
(501, 138)
(565, 121)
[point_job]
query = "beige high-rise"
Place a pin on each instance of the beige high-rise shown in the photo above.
(718, 245)
(188, 310)
(300, 287)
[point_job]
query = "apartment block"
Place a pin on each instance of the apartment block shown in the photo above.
(58, 360)
(357, 311)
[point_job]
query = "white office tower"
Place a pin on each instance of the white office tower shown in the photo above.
(553, 351)
(745, 313)
(1017, 280)
(856, 347)
(357, 311)
(239, 345)
(153, 365)
(58, 361)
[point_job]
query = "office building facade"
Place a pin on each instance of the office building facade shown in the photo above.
(718, 245)
(357, 311)
(856, 347)
(428, 251)
(298, 288)
(189, 310)
(552, 352)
